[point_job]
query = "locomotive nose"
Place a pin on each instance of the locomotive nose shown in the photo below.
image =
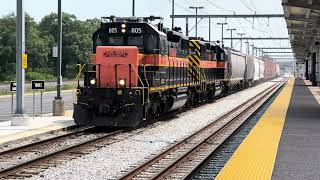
(118, 66)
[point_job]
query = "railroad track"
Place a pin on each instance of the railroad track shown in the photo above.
(31, 159)
(44, 154)
(182, 159)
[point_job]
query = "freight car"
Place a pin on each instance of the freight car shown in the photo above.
(140, 71)
(271, 70)
(236, 69)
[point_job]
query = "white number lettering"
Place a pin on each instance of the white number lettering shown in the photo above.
(136, 30)
(113, 30)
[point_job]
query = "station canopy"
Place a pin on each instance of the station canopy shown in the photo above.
(302, 17)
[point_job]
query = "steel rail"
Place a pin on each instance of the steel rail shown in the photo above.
(169, 151)
(36, 162)
(45, 141)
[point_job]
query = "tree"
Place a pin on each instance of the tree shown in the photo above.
(77, 41)
(40, 38)
(7, 47)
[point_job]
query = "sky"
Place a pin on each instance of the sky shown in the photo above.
(85, 9)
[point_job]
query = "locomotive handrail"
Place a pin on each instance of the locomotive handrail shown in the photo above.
(81, 67)
(134, 68)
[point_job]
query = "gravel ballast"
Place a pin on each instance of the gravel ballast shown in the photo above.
(113, 160)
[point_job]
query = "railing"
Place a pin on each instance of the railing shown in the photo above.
(77, 80)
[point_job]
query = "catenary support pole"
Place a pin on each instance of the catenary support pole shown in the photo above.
(209, 29)
(172, 14)
(222, 29)
(187, 27)
(133, 7)
(20, 26)
(241, 35)
(231, 36)
(58, 103)
(19, 118)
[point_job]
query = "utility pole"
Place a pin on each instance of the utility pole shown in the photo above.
(241, 35)
(19, 118)
(172, 14)
(231, 30)
(196, 8)
(222, 24)
(133, 7)
(58, 102)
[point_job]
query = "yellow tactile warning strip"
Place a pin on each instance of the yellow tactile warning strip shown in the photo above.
(255, 157)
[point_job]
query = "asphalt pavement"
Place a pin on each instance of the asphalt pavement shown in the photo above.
(5, 88)
(5, 104)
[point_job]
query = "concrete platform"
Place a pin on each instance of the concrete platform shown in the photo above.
(5, 103)
(285, 143)
(299, 150)
(38, 125)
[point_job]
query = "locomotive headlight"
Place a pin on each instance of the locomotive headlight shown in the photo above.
(122, 82)
(123, 25)
(123, 30)
(93, 81)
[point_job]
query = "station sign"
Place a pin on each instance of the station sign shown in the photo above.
(55, 51)
(13, 86)
(37, 85)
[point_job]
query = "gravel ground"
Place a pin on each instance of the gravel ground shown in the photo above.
(111, 161)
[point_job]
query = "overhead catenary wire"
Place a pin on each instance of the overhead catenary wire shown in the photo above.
(261, 29)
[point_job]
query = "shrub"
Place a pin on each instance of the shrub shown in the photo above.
(38, 76)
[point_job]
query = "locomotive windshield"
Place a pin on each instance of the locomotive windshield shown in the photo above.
(121, 41)
(129, 34)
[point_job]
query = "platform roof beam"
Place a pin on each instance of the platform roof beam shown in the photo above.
(302, 18)
(304, 5)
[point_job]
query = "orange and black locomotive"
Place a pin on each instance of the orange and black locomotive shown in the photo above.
(140, 71)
